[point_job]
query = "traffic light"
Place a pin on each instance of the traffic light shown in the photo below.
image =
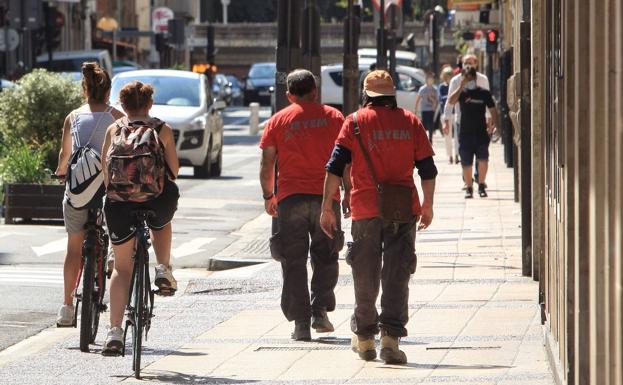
(54, 23)
(492, 41)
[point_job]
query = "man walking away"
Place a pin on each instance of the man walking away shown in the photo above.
(382, 143)
(427, 101)
(299, 139)
(475, 134)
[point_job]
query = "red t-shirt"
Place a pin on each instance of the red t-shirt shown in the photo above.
(304, 135)
(395, 139)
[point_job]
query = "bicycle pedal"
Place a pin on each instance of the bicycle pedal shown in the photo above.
(73, 325)
(165, 292)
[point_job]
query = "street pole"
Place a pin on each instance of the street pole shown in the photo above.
(381, 49)
(435, 38)
(288, 47)
(391, 38)
(225, 4)
(310, 49)
(351, 61)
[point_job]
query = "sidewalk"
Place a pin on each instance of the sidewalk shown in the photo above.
(473, 319)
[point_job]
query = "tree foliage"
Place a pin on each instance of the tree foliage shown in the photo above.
(35, 110)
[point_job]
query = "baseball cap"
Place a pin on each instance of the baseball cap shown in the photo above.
(379, 83)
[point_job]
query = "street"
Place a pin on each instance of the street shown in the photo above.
(31, 255)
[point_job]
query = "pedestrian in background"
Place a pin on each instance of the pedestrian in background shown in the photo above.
(426, 102)
(452, 112)
(299, 139)
(381, 143)
(475, 133)
(446, 76)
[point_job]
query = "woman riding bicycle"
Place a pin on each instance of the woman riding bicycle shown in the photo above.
(84, 126)
(136, 100)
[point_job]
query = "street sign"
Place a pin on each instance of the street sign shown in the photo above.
(160, 17)
(11, 36)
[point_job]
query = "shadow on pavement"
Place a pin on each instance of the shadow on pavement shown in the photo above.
(183, 378)
(241, 140)
(413, 365)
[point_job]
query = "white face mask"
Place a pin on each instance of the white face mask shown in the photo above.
(471, 85)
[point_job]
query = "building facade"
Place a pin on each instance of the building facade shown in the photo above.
(567, 93)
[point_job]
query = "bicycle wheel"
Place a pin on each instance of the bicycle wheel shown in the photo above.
(98, 293)
(137, 327)
(89, 300)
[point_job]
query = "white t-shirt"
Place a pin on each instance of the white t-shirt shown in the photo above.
(454, 109)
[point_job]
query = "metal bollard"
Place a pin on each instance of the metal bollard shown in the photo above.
(254, 118)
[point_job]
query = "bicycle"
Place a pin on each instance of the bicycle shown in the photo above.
(139, 310)
(93, 275)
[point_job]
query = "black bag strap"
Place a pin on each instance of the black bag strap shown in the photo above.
(366, 155)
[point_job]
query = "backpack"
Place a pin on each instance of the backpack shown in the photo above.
(85, 181)
(135, 161)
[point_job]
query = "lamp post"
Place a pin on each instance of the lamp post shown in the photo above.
(225, 4)
(351, 60)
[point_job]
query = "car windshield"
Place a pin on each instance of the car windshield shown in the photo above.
(168, 90)
(262, 71)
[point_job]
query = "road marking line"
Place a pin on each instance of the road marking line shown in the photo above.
(190, 248)
(51, 247)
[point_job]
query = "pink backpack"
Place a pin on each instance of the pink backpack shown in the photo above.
(135, 159)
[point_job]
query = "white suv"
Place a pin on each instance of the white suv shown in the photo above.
(184, 100)
(409, 82)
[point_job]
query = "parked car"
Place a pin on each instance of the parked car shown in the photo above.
(221, 88)
(236, 90)
(184, 100)
(70, 62)
(4, 84)
(258, 82)
(409, 82)
(404, 58)
(119, 66)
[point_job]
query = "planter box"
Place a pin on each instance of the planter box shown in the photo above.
(29, 201)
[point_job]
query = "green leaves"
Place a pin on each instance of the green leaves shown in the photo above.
(34, 111)
(20, 164)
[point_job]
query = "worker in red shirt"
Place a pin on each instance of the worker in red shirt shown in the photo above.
(299, 139)
(382, 143)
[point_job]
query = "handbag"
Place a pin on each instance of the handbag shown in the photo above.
(395, 201)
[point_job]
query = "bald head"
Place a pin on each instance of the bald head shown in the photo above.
(470, 61)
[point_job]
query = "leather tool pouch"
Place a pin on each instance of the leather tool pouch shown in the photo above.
(395, 203)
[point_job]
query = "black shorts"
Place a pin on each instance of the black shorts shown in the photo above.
(120, 221)
(470, 147)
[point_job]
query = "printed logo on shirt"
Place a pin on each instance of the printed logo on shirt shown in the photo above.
(381, 135)
(474, 101)
(301, 128)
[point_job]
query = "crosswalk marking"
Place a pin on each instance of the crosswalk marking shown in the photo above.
(190, 248)
(27, 276)
(51, 247)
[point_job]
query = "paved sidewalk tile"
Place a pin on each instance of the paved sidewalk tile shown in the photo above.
(474, 319)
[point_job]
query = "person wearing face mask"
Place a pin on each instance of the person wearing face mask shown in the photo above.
(475, 133)
(426, 102)
(451, 112)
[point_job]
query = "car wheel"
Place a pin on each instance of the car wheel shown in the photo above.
(205, 170)
(217, 166)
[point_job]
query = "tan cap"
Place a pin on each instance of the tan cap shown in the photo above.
(379, 83)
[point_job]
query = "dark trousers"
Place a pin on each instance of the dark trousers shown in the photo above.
(381, 254)
(428, 121)
(299, 235)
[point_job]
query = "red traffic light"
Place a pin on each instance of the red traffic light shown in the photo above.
(492, 36)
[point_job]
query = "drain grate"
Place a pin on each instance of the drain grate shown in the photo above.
(299, 348)
(463, 347)
(257, 247)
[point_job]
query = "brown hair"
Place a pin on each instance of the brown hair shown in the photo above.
(95, 82)
(135, 95)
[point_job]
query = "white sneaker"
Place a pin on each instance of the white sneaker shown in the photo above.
(110, 262)
(165, 281)
(114, 342)
(65, 317)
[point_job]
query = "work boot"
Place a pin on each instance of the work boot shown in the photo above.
(390, 352)
(364, 347)
(469, 192)
(301, 331)
(320, 322)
